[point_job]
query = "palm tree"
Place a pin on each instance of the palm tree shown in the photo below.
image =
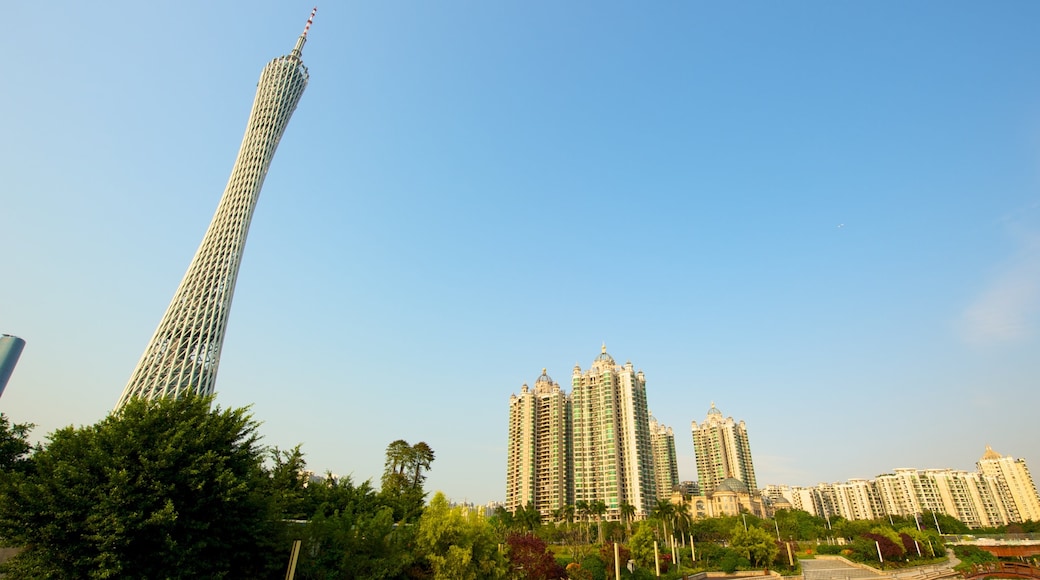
(599, 509)
(584, 510)
(682, 523)
(564, 513)
(627, 512)
(527, 517)
(664, 511)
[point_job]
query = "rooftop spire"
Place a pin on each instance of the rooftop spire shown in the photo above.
(298, 50)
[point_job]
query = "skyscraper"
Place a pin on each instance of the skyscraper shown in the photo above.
(184, 352)
(1014, 484)
(613, 461)
(666, 467)
(538, 471)
(10, 349)
(722, 450)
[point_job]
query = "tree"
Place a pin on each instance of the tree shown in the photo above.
(355, 543)
(865, 548)
(289, 481)
(420, 460)
(627, 512)
(584, 509)
(14, 444)
(598, 508)
(158, 489)
(564, 514)
(682, 522)
(397, 453)
(663, 511)
(800, 525)
(527, 517)
(458, 544)
(642, 544)
(531, 559)
(403, 477)
(606, 553)
(755, 544)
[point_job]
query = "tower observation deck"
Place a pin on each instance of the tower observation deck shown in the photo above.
(183, 354)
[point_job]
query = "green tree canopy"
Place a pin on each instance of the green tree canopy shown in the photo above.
(159, 489)
(458, 544)
(403, 478)
(755, 544)
(14, 444)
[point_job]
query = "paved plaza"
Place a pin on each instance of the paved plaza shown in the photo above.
(821, 569)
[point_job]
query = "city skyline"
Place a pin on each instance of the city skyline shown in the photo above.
(824, 218)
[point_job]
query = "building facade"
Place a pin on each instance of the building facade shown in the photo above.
(999, 493)
(666, 466)
(538, 471)
(722, 450)
(1015, 485)
(613, 460)
(184, 352)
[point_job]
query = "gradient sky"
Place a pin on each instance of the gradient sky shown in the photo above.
(822, 216)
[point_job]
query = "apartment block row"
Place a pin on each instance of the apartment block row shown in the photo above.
(600, 443)
(1000, 492)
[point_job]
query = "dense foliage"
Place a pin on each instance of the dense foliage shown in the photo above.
(158, 489)
(531, 559)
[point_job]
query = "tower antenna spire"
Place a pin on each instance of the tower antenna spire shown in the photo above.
(298, 51)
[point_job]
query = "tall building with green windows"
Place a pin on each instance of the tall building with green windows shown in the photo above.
(613, 459)
(538, 471)
(722, 450)
(666, 467)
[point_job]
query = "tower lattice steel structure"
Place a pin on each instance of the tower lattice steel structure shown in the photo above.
(184, 352)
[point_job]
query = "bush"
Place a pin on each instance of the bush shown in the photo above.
(970, 556)
(595, 566)
(829, 549)
(732, 561)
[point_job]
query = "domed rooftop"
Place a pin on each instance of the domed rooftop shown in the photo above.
(604, 357)
(713, 410)
(545, 378)
(990, 454)
(733, 485)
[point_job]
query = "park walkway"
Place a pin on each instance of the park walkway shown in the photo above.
(833, 569)
(841, 569)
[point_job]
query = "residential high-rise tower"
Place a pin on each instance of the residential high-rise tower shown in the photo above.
(666, 467)
(538, 471)
(722, 450)
(1014, 485)
(613, 460)
(183, 354)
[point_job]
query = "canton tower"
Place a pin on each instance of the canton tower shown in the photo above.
(184, 352)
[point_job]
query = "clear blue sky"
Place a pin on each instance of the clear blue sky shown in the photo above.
(822, 216)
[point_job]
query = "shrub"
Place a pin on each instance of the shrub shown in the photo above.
(829, 549)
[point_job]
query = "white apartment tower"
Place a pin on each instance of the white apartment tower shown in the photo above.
(613, 460)
(722, 450)
(538, 467)
(666, 467)
(1014, 484)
